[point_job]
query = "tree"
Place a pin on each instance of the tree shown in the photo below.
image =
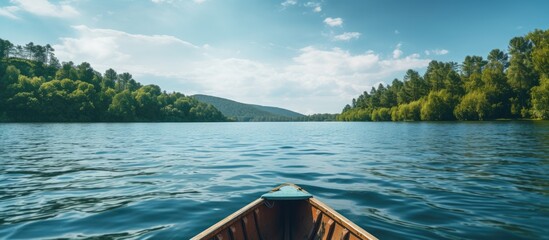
(123, 82)
(29, 49)
(122, 107)
(6, 48)
(438, 106)
(147, 106)
(473, 106)
(10, 77)
(495, 85)
(67, 71)
(521, 75)
(540, 99)
(414, 88)
(109, 79)
(471, 65)
(540, 53)
(500, 57)
(85, 72)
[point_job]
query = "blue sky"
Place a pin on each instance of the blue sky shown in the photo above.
(309, 56)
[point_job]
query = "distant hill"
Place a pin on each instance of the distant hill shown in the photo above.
(249, 112)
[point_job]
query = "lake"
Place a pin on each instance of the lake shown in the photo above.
(478, 180)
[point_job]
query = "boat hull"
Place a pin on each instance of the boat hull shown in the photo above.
(285, 219)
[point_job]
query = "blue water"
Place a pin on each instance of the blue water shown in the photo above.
(172, 180)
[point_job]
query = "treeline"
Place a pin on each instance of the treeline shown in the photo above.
(317, 117)
(507, 85)
(35, 87)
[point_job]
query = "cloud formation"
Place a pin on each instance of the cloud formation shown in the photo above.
(312, 79)
(397, 52)
(316, 6)
(346, 36)
(46, 9)
(333, 22)
(288, 3)
(9, 12)
(436, 52)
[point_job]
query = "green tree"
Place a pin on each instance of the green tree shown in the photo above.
(414, 88)
(495, 85)
(471, 65)
(540, 53)
(67, 71)
(540, 99)
(473, 106)
(521, 75)
(147, 105)
(122, 107)
(109, 79)
(6, 48)
(438, 106)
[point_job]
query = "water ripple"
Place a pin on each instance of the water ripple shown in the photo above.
(168, 181)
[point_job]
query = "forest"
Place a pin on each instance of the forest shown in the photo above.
(512, 85)
(36, 87)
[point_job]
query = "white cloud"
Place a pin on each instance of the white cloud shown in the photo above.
(397, 52)
(9, 12)
(316, 6)
(333, 22)
(347, 36)
(288, 3)
(45, 8)
(314, 80)
(199, 1)
(107, 47)
(397, 32)
(436, 52)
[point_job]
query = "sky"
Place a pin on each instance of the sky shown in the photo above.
(309, 56)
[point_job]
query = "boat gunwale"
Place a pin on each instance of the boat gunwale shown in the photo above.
(341, 220)
(226, 222)
(229, 220)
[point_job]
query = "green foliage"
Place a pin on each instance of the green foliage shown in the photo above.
(407, 112)
(521, 75)
(355, 114)
(381, 114)
(499, 87)
(438, 106)
(473, 106)
(540, 52)
(35, 87)
(540, 100)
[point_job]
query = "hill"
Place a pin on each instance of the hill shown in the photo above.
(248, 112)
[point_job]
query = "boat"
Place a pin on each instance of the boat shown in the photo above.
(286, 212)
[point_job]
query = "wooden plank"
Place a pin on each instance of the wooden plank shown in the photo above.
(229, 220)
(340, 219)
(237, 231)
(353, 237)
(257, 220)
(270, 221)
(329, 229)
(317, 216)
(223, 235)
(340, 232)
(344, 234)
(248, 223)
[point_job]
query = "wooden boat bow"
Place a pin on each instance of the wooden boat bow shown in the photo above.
(286, 212)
